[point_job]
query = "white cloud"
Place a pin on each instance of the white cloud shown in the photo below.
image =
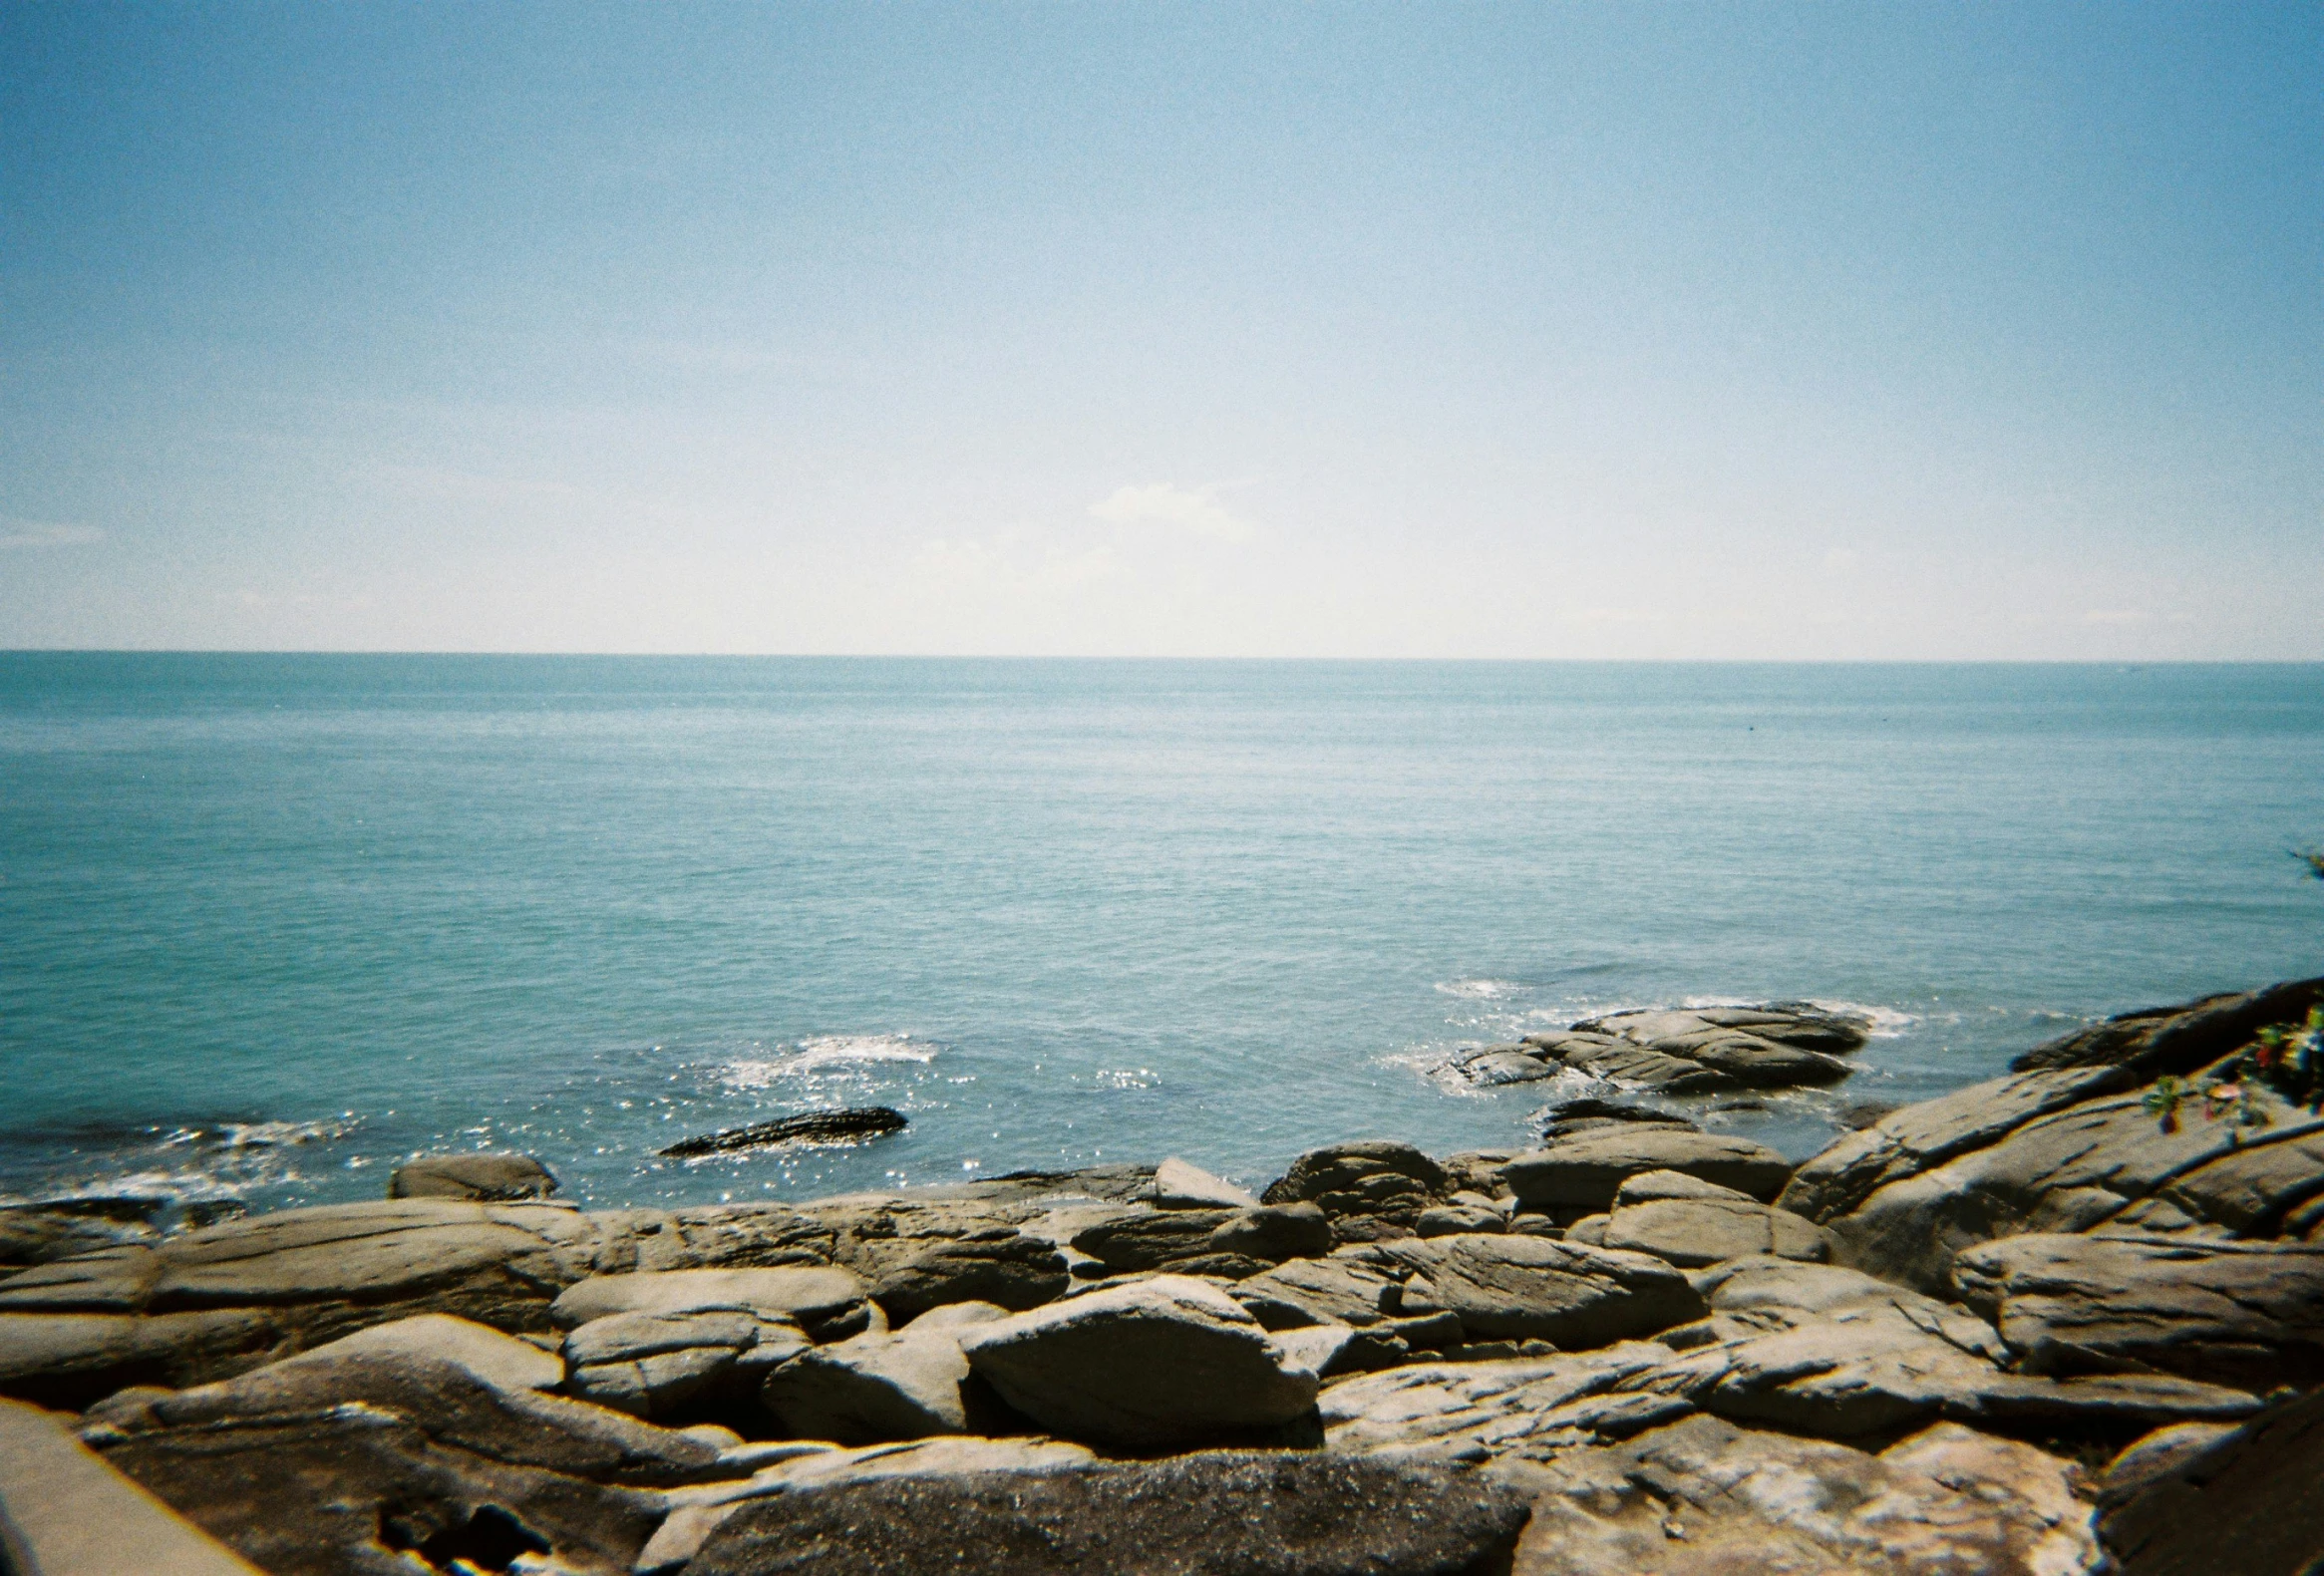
(1160, 503)
(33, 533)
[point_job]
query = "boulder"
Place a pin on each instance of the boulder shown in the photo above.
(1272, 1233)
(1692, 1223)
(1567, 1117)
(209, 1303)
(1703, 1497)
(480, 1178)
(1533, 1288)
(1175, 1239)
(1816, 1348)
(1686, 1051)
(1345, 1292)
(814, 1126)
(1504, 1064)
(63, 1512)
(827, 1304)
(1585, 1172)
(874, 1388)
(1161, 1363)
(2248, 1314)
(1255, 1514)
(920, 1252)
(679, 1367)
(1456, 1220)
(2250, 1500)
(2177, 1040)
(1178, 1185)
(1369, 1189)
(388, 1452)
(59, 1228)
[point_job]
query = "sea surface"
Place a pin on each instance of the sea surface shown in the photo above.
(269, 925)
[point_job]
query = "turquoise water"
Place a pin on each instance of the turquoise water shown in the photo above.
(269, 923)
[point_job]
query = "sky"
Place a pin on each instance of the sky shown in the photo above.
(1639, 330)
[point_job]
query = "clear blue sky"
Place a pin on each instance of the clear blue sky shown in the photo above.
(1623, 329)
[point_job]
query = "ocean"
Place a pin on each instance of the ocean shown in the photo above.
(269, 925)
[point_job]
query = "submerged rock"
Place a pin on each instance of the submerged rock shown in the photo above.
(814, 1126)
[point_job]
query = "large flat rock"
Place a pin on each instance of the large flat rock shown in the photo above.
(1585, 1172)
(1535, 1288)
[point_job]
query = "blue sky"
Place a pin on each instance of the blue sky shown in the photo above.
(1746, 331)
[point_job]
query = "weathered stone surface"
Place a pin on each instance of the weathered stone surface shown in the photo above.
(62, 1227)
(1587, 1170)
(1692, 1223)
(1255, 1514)
(1473, 1411)
(1566, 1118)
(2098, 1162)
(1701, 1497)
(1345, 1291)
(1164, 1362)
(212, 1301)
(1178, 1185)
(807, 1467)
(1520, 1287)
(2251, 1501)
(814, 1126)
(63, 1512)
(924, 1250)
(499, 1361)
(1693, 1051)
(2250, 1314)
(1370, 1189)
(2177, 1040)
(678, 1367)
(383, 1450)
(1827, 1351)
(1456, 1220)
(875, 1387)
(1176, 1239)
(480, 1178)
(1275, 1232)
(829, 1303)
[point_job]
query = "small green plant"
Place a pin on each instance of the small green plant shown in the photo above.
(2287, 1059)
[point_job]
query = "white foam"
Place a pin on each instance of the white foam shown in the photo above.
(1479, 990)
(824, 1053)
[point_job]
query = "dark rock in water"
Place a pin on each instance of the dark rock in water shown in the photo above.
(2179, 1040)
(484, 1178)
(1254, 1513)
(1856, 1116)
(2251, 1501)
(1690, 1051)
(1569, 1116)
(814, 1126)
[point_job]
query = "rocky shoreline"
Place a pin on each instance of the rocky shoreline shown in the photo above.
(2029, 1327)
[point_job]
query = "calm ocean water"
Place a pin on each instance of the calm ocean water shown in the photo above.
(268, 924)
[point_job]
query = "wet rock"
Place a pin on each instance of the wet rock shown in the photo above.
(827, 1304)
(2248, 1314)
(2251, 1501)
(1166, 1361)
(814, 1126)
(1255, 1514)
(1585, 1172)
(1692, 1223)
(480, 1178)
(1504, 1064)
(874, 1388)
(1703, 1497)
(1369, 1189)
(1531, 1288)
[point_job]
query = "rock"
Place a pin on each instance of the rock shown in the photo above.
(1858, 1115)
(807, 1468)
(63, 1512)
(829, 1303)
(1586, 1172)
(1370, 1189)
(1167, 1362)
(921, 1252)
(499, 1361)
(1820, 1350)
(209, 1303)
(393, 1449)
(59, 1228)
(674, 1367)
(1453, 1220)
(1178, 1185)
(1695, 1050)
(1569, 1116)
(1273, 1233)
(480, 1178)
(874, 1388)
(2155, 1455)
(2253, 1498)
(814, 1126)
(1341, 1291)
(1504, 1064)
(1701, 1497)
(1474, 1410)
(1589, 1231)
(1255, 1514)
(2098, 1161)
(1531, 1288)
(1179, 1240)
(2248, 1314)
(1692, 1223)
(2178, 1040)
